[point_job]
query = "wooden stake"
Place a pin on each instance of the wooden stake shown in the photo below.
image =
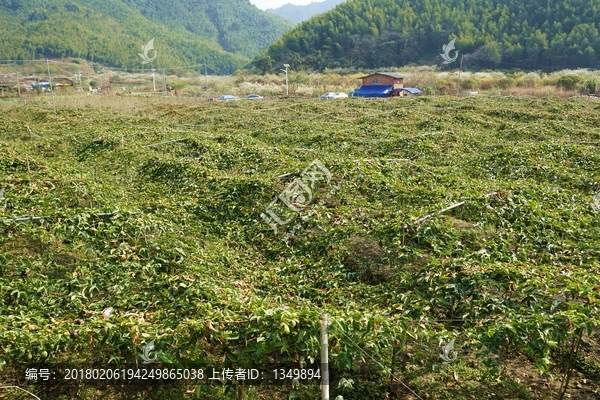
(324, 359)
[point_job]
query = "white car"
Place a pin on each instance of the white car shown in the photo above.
(334, 95)
(228, 97)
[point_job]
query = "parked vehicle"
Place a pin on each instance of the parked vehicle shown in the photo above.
(253, 97)
(333, 95)
(44, 86)
(228, 97)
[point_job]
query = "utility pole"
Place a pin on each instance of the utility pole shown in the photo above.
(153, 80)
(286, 79)
(459, 71)
(51, 89)
(18, 85)
(164, 83)
(206, 78)
(79, 78)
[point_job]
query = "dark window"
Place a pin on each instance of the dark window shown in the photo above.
(376, 81)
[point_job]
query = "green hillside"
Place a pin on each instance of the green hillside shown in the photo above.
(536, 34)
(238, 26)
(112, 32)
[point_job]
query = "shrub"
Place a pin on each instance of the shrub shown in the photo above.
(179, 85)
(428, 90)
(487, 84)
(570, 82)
(471, 83)
(592, 85)
(532, 80)
(443, 83)
(549, 80)
(520, 81)
(507, 83)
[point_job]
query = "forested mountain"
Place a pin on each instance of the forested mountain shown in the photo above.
(238, 26)
(297, 14)
(535, 34)
(223, 34)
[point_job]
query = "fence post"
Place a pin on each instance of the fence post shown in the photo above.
(324, 358)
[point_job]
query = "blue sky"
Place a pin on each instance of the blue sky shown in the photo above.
(264, 4)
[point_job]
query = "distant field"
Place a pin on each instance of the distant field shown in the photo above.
(468, 219)
(190, 83)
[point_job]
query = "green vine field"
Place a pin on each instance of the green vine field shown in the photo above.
(469, 219)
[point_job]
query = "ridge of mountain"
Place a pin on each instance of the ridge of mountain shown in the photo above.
(296, 13)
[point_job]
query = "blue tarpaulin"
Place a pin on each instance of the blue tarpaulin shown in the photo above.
(373, 91)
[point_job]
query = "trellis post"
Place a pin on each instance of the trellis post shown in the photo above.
(324, 358)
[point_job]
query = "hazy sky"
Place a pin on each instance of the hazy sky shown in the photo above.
(264, 4)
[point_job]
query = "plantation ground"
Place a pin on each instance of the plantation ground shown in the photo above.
(185, 259)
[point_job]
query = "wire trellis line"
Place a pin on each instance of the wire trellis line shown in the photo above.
(20, 388)
(376, 361)
(37, 218)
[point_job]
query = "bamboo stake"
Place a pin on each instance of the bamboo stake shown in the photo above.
(451, 207)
